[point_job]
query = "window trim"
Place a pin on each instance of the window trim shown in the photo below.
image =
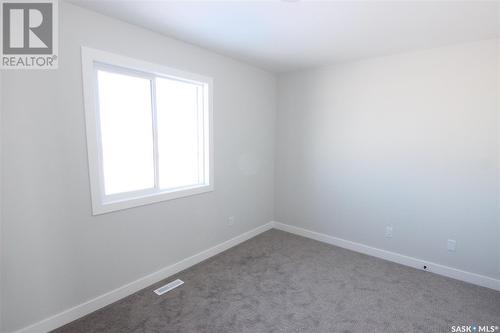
(93, 59)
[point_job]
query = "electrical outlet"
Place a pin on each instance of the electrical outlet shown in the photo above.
(388, 231)
(452, 245)
(230, 220)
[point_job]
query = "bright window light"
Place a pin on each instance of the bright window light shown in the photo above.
(148, 131)
(180, 121)
(126, 132)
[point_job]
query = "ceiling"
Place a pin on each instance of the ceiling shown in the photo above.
(288, 35)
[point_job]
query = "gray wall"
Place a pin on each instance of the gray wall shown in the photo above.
(55, 255)
(409, 140)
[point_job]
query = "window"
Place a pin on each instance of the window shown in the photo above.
(149, 134)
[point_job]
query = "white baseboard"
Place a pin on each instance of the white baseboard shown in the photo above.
(451, 272)
(92, 305)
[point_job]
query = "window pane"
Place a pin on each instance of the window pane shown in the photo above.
(126, 132)
(178, 136)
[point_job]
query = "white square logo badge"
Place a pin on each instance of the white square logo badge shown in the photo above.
(29, 34)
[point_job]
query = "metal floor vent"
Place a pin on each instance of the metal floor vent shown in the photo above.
(168, 287)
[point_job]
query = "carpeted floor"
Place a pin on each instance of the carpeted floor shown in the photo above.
(279, 282)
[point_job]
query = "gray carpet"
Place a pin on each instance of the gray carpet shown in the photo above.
(279, 282)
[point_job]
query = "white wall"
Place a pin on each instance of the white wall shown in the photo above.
(498, 150)
(1, 197)
(409, 140)
(55, 254)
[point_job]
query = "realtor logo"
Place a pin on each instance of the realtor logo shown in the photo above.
(29, 34)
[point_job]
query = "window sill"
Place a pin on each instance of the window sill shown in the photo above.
(99, 208)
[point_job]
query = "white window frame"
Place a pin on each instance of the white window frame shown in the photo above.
(92, 60)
